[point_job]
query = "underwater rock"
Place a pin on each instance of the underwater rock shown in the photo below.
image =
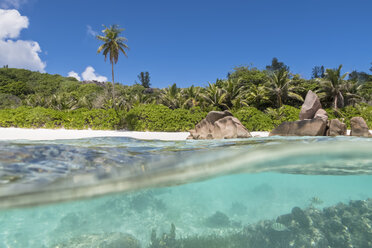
(105, 240)
(359, 127)
(217, 220)
(313, 127)
(300, 216)
(336, 128)
(219, 125)
(311, 106)
(145, 200)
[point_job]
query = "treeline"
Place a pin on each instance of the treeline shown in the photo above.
(270, 96)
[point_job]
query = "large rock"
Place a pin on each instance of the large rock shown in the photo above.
(310, 107)
(219, 125)
(229, 127)
(359, 127)
(214, 116)
(322, 114)
(313, 127)
(336, 128)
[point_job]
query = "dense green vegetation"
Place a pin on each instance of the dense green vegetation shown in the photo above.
(261, 99)
(28, 117)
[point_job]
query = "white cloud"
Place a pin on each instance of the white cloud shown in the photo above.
(17, 53)
(89, 74)
(74, 75)
(21, 54)
(91, 32)
(11, 23)
(6, 4)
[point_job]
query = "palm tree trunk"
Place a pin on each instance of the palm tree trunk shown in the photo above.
(335, 101)
(113, 86)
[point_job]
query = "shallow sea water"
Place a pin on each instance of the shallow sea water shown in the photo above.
(120, 192)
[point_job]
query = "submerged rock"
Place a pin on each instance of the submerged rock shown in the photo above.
(313, 127)
(219, 125)
(311, 106)
(359, 127)
(217, 220)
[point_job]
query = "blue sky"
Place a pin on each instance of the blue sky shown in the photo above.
(193, 42)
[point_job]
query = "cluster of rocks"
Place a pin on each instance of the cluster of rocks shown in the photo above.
(314, 122)
(339, 226)
(219, 125)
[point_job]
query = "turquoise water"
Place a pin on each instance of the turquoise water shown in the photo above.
(118, 192)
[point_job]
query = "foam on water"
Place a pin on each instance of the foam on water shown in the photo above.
(202, 187)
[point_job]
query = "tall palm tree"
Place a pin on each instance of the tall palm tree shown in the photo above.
(279, 85)
(112, 46)
(333, 84)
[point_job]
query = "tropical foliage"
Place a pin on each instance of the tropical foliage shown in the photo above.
(261, 99)
(39, 117)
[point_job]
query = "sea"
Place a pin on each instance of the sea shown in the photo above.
(128, 193)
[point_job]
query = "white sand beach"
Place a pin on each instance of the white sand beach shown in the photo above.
(58, 134)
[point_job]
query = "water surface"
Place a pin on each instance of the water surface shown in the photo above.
(220, 189)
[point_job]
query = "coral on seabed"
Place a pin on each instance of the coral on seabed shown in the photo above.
(339, 226)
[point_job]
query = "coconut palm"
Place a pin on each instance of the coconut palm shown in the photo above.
(233, 90)
(112, 46)
(192, 96)
(171, 96)
(332, 85)
(351, 90)
(280, 86)
(215, 96)
(257, 95)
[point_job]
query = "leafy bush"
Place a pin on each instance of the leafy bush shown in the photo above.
(151, 117)
(39, 117)
(253, 119)
(349, 112)
(9, 101)
(282, 114)
(290, 113)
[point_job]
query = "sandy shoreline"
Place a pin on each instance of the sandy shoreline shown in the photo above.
(58, 134)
